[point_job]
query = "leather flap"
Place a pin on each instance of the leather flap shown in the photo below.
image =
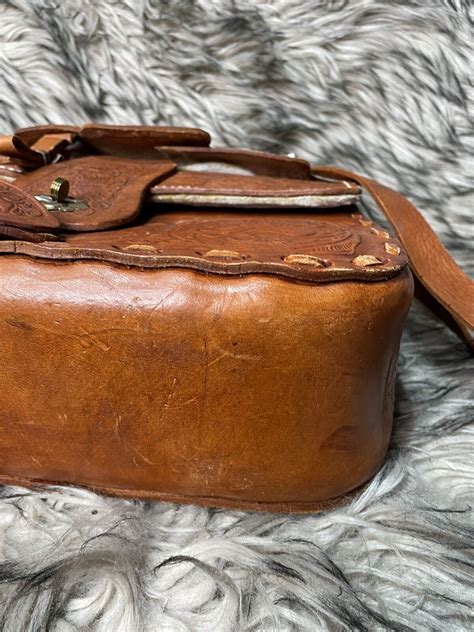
(191, 188)
(309, 246)
(109, 190)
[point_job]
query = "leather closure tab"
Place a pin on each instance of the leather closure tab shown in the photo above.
(111, 189)
(140, 141)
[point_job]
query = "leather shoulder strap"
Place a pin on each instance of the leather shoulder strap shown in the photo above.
(441, 284)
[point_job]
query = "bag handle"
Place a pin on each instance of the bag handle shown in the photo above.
(440, 282)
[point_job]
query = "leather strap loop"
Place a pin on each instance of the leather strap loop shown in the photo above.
(41, 151)
(442, 285)
(258, 162)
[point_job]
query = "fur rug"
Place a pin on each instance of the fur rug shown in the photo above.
(382, 87)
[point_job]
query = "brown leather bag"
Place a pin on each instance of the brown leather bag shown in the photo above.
(214, 326)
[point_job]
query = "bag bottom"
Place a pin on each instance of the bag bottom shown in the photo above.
(203, 501)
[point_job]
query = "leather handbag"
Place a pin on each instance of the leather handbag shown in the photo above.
(204, 325)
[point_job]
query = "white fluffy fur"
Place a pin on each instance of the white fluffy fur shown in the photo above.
(382, 87)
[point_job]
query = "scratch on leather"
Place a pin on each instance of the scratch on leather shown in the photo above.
(91, 339)
(143, 457)
(170, 394)
(233, 354)
(13, 322)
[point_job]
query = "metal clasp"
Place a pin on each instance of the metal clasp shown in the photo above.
(59, 200)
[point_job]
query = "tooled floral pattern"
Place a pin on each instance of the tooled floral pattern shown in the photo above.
(98, 184)
(102, 185)
(282, 232)
(14, 202)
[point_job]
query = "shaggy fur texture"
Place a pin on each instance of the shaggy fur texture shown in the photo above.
(377, 86)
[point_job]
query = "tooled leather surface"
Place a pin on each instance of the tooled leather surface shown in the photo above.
(21, 210)
(304, 246)
(112, 187)
(308, 246)
(453, 291)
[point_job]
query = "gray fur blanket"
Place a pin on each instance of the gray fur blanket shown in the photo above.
(380, 87)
